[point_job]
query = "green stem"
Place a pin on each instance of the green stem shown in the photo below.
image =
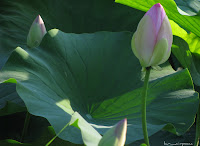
(196, 143)
(26, 123)
(56, 135)
(144, 97)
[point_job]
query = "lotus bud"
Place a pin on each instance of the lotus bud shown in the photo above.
(116, 136)
(36, 32)
(152, 41)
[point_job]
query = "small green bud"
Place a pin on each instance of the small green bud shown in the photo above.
(36, 32)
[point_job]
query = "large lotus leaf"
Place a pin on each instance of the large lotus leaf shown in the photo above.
(77, 16)
(190, 23)
(97, 76)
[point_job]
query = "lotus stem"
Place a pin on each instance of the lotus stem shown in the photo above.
(144, 97)
(196, 143)
(57, 135)
(26, 123)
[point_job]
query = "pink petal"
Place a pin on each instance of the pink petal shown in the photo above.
(120, 131)
(145, 39)
(166, 32)
(38, 20)
(157, 14)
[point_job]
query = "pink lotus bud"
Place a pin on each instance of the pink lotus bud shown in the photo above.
(116, 136)
(36, 32)
(151, 43)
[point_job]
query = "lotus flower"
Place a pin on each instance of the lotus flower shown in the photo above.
(151, 43)
(116, 136)
(36, 32)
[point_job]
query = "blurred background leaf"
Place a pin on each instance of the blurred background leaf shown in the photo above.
(188, 7)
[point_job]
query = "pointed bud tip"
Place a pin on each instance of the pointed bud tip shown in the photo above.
(39, 20)
(158, 5)
(124, 121)
(121, 126)
(155, 10)
(36, 32)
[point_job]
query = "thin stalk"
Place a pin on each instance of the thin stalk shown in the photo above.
(144, 97)
(56, 135)
(196, 143)
(26, 123)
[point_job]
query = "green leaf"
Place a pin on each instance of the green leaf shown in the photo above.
(89, 135)
(70, 16)
(188, 60)
(11, 142)
(190, 23)
(16, 18)
(10, 102)
(181, 50)
(187, 50)
(189, 7)
(47, 134)
(97, 76)
(12, 127)
(162, 138)
(191, 39)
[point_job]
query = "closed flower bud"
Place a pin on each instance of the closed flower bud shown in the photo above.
(116, 136)
(151, 43)
(36, 32)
